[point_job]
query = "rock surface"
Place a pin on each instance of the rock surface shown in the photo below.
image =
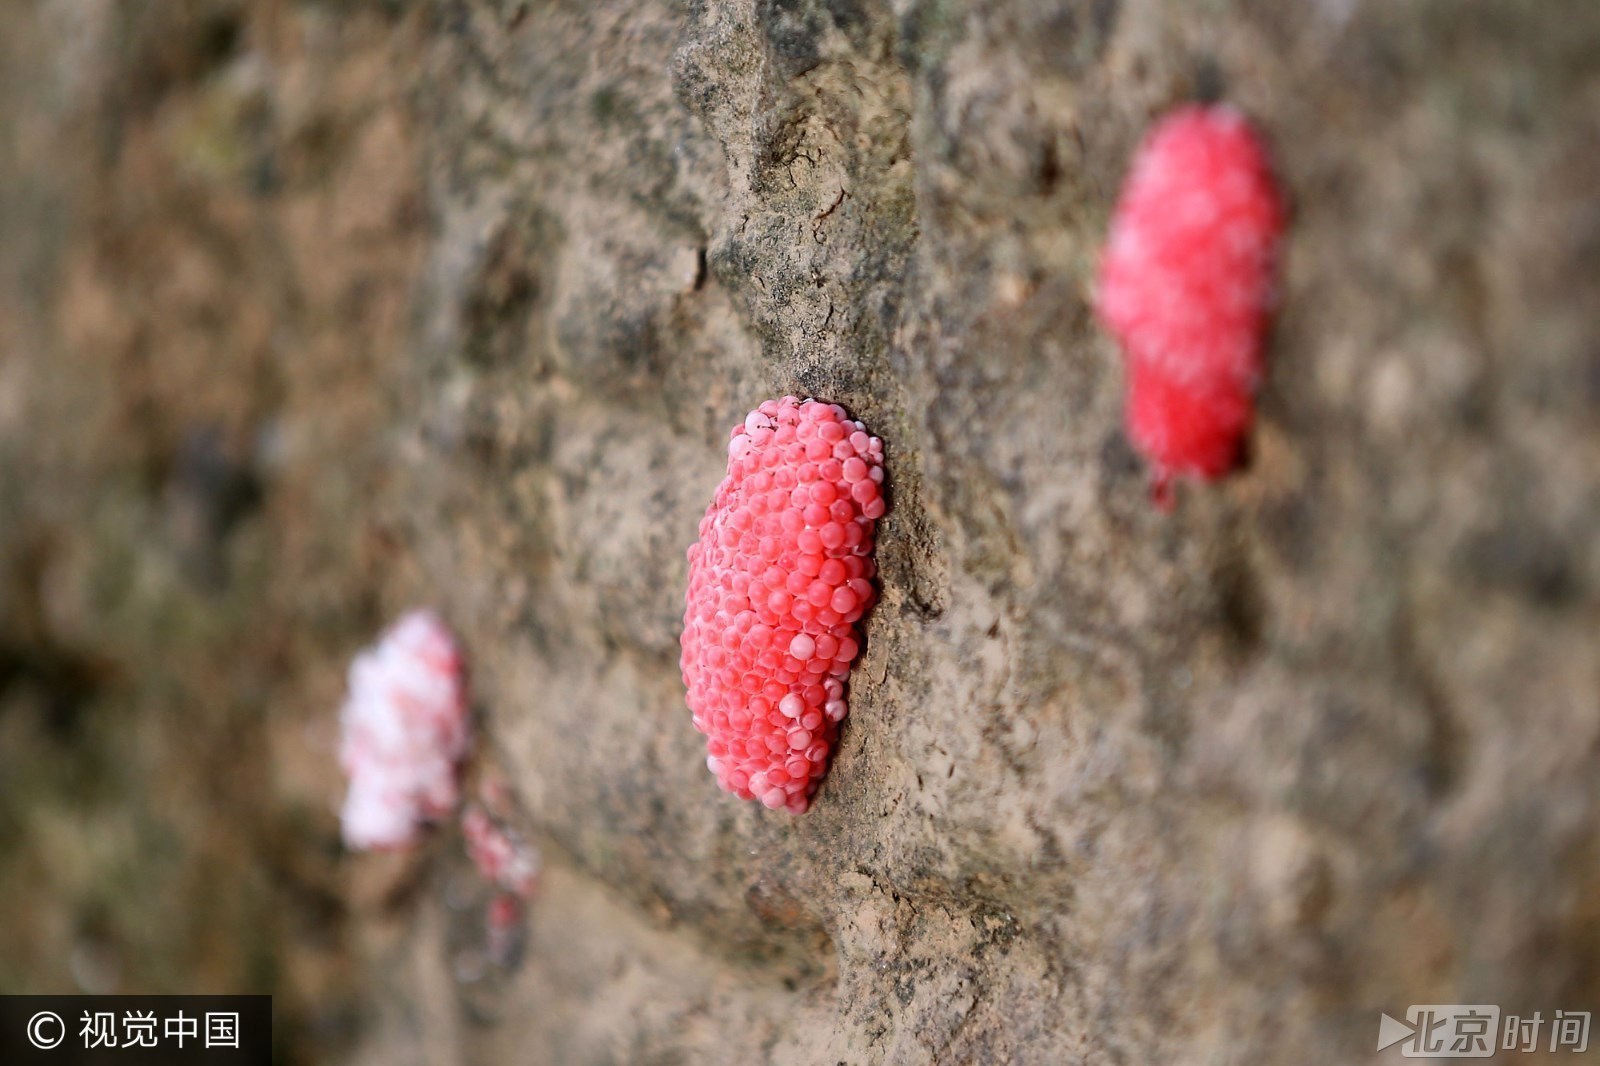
(314, 311)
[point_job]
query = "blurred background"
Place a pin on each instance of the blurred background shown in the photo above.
(315, 310)
(211, 219)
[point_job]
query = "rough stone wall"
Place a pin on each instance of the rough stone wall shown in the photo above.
(313, 311)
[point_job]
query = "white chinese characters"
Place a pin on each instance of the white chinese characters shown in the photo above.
(1477, 1031)
(99, 1029)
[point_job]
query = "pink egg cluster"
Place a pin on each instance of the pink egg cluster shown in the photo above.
(511, 865)
(778, 580)
(1186, 287)
(404, 733)
(502, 857)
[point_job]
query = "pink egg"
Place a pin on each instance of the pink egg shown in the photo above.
(778, 581)
(404, 733)
(1186, 287)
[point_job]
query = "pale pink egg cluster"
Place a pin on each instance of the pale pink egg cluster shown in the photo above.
(778, 579)
(405, 732)
(502, 857)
